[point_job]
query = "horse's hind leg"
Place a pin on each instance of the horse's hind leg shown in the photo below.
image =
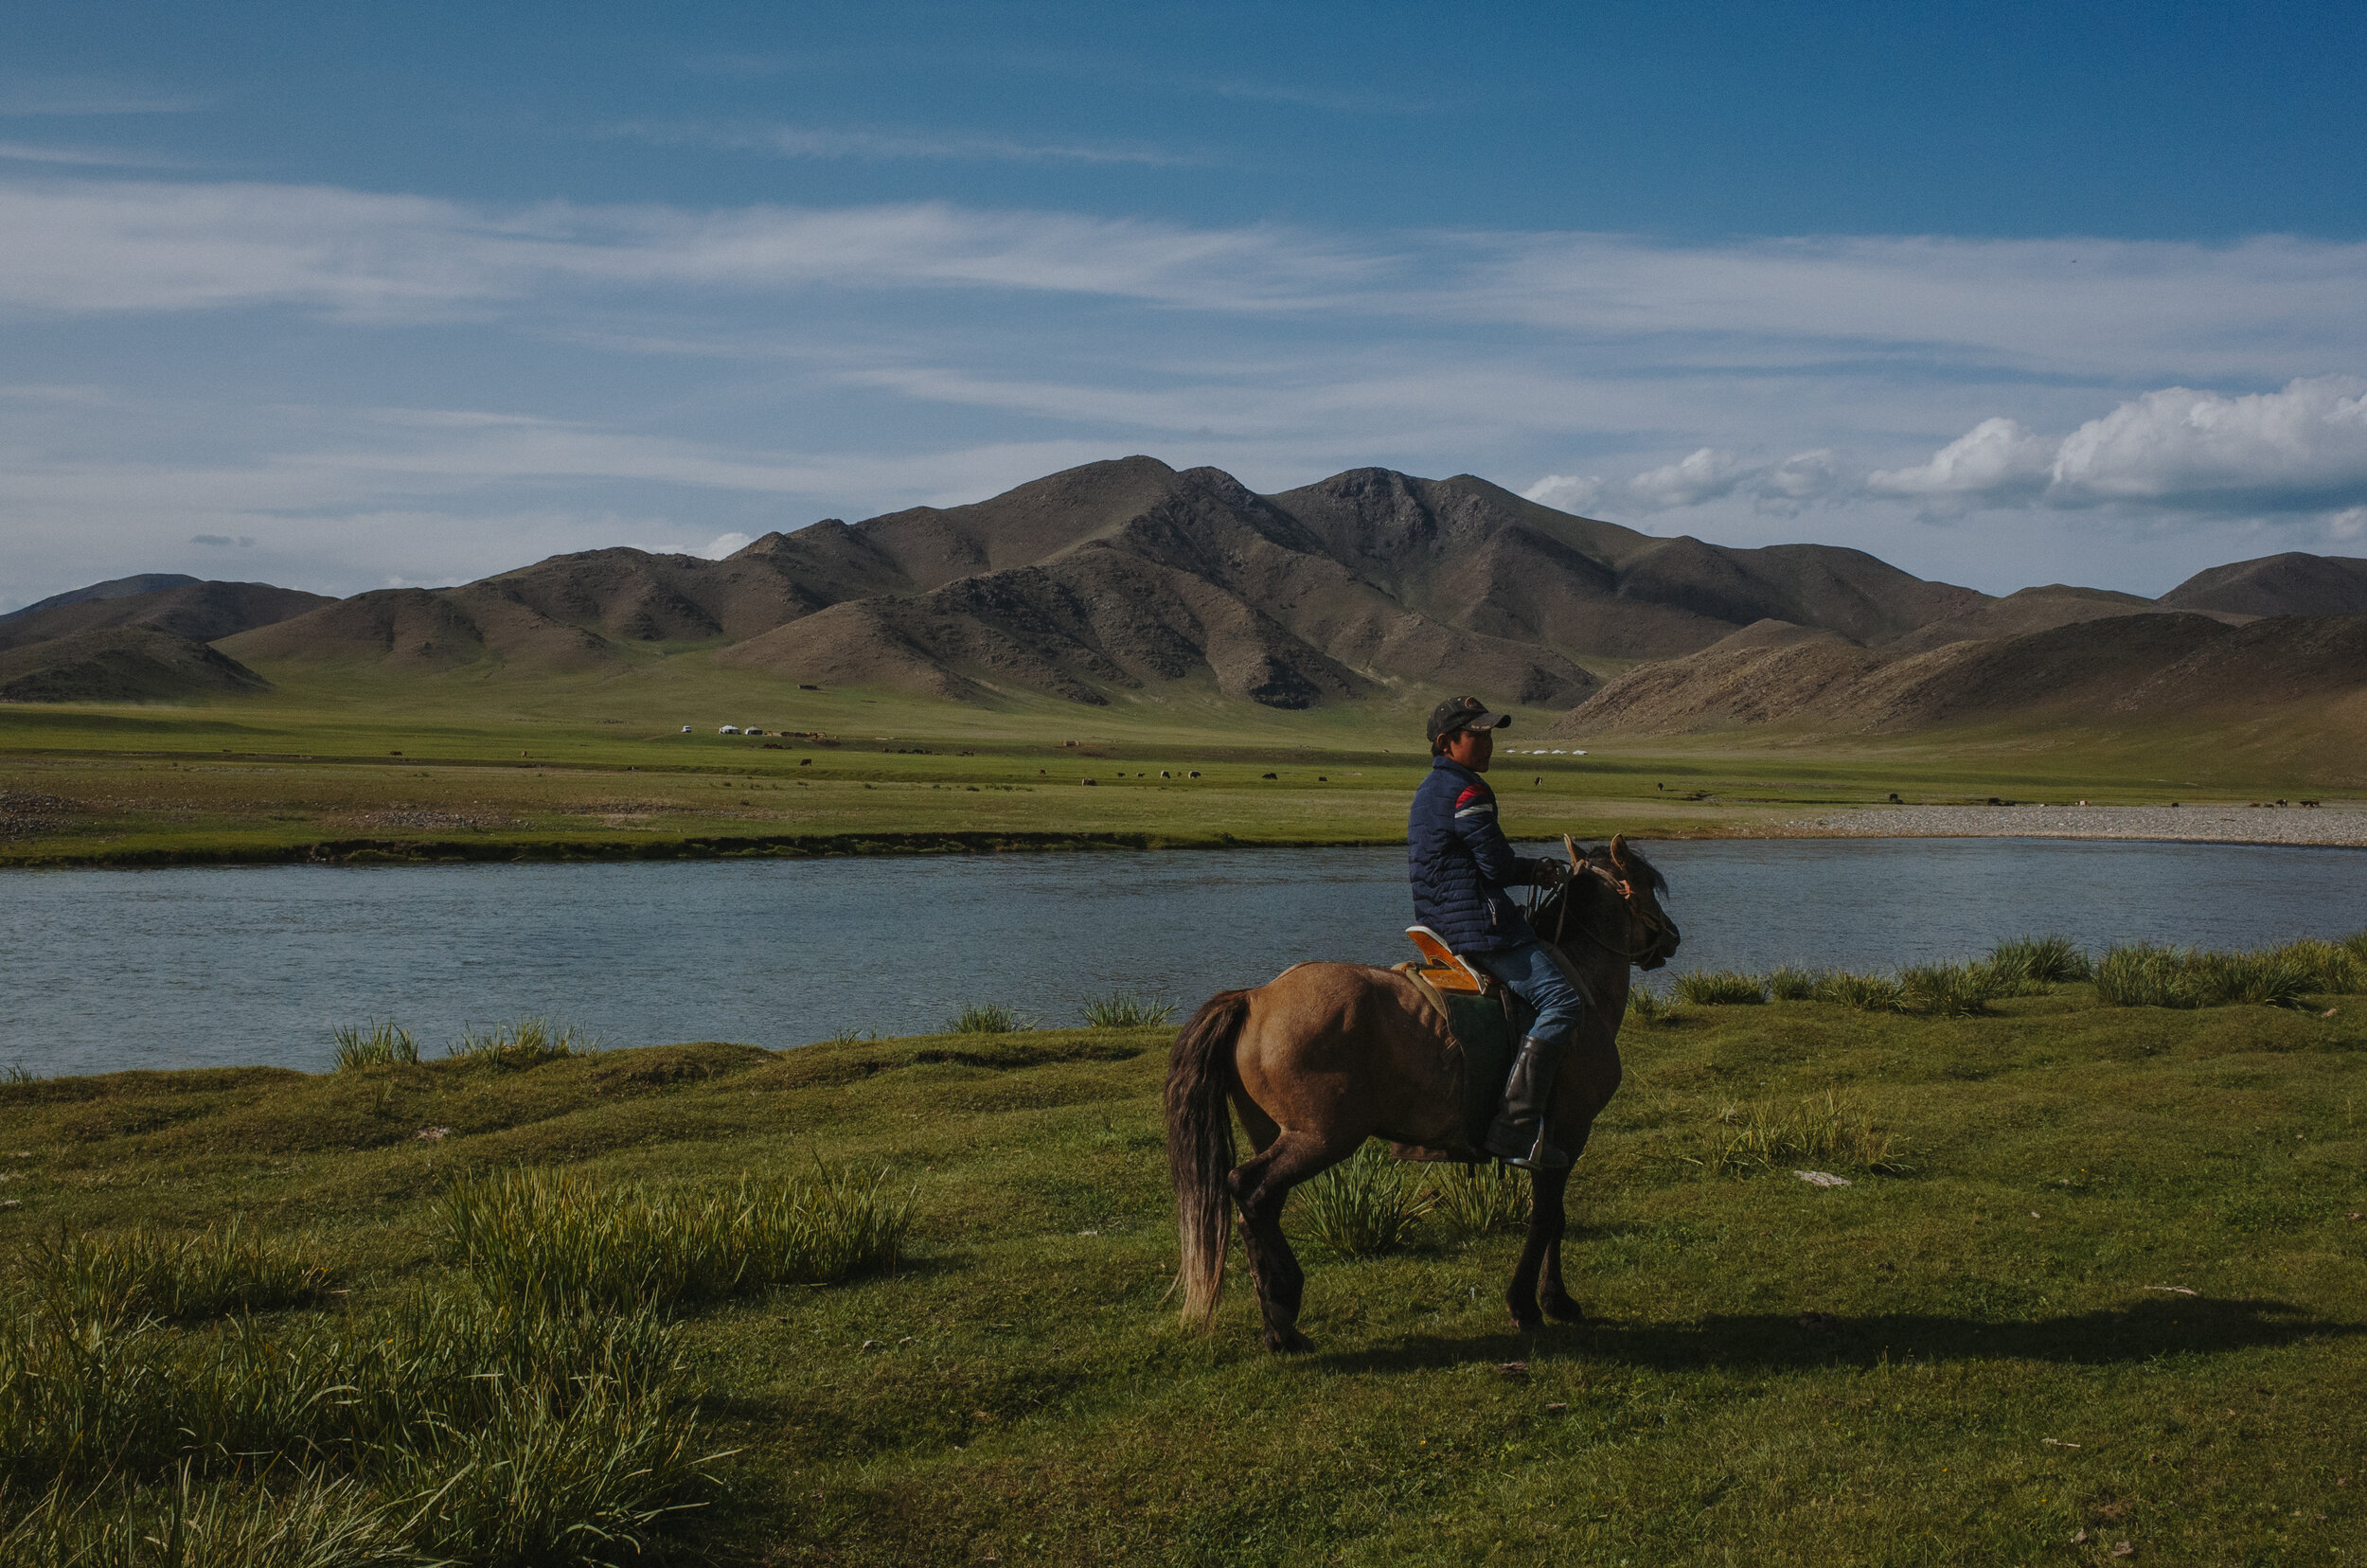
(1543, 1242)
(1259, 1185)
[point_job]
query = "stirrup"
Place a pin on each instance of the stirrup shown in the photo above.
(1542, 1154)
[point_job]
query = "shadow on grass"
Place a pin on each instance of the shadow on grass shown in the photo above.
(2141, 1331)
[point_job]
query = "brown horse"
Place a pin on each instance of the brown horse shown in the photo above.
(1325, 1056)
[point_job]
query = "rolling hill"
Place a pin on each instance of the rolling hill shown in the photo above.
(1127, 575)
(1132, 576)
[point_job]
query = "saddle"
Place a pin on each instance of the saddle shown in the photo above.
(1485, 1019)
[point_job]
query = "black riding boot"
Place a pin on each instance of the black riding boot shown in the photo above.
(1518, 1135)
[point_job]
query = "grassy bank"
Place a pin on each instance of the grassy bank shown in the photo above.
(569, 768)
(2095, 1278)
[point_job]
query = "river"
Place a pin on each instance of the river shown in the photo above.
(202, 967)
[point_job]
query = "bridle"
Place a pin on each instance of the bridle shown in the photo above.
(1655, 927)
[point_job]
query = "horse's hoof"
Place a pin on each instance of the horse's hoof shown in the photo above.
(1563, 1309)
(1288, 1342)
(1528, 1322)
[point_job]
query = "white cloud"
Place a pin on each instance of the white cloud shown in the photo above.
(1803, 476)
(1568, 492)
(1996, 461)
(1705, 474)
(2301, 449)
(723, 544)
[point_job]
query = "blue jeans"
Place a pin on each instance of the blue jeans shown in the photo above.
(1533, 976)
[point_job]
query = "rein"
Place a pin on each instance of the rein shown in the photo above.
(1627, 897)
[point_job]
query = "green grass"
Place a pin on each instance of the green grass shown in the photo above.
(987, 1018)
(1478, 1199)
(1768, 1372)
(438, 1426)
(374, 1045)
(559, 1239)
(355, 766)
(517, 1047)
(2148, 974)
(1747, 1138)
(1367, 1206)
(107, 1275)
(2042, 960)
(1719, 987)
(1125, 1011)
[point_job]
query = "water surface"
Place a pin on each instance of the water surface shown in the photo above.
(201, 966)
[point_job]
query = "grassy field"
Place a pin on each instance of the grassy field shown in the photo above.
(356, 768)
(2100, 1278)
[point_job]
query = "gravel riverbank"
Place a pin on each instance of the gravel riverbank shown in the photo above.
(2343, 824)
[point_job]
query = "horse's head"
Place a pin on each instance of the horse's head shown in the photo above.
(1646, 934)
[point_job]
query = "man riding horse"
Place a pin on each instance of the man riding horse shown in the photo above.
(1461, 864)
(1326, 1056)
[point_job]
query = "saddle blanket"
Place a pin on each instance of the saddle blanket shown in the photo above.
(1485, 1029)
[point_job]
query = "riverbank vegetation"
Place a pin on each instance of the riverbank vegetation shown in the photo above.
(570, 769)
(2129, 975)
(2073, 1274)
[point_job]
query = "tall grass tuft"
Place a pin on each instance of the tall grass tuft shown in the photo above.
(515, 1047)
(1478, 1199)
(2146, 974)
(2040, 961)
(105, 1275)
(1951, 990)
(987, 1018)
(1865, 993)
(378, 1045)
(1719, 987)
(317, 1522)
(1753, 1137)
(2337, 969)
(1125, 1011)
(557, 1238)
(1649, 1007)
(1363, 1206)
(499, 1431)
(1785, 984)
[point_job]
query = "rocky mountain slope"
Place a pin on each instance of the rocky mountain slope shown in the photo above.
(2115, 669)
(1124, 575)
(1130, 575)
(123, 642)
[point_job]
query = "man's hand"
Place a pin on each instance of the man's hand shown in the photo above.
(1549, 874)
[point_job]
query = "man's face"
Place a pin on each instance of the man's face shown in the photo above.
(1472, 748)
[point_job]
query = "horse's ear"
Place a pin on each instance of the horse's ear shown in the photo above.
(1619, 850)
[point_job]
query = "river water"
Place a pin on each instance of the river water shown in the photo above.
(205, 967)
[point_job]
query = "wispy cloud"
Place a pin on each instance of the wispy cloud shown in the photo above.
(90, 95)
(85, 157)
(795, 141)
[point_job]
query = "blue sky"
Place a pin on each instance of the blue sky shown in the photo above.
(408, 293)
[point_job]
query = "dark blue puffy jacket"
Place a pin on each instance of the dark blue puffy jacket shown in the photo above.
(1462, 865)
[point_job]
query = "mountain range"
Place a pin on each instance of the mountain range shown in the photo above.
(1131, 577)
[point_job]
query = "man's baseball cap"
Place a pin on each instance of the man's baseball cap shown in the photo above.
(1462, 713)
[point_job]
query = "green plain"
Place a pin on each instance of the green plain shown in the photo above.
(2118, 1294)
(356, 765)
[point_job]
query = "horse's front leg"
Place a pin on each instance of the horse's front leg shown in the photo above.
(1540, 1249)
(1551, 1293)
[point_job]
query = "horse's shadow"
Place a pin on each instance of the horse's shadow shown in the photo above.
(1777, 1341)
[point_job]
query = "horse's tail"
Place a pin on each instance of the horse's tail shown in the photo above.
(1200, 1148)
